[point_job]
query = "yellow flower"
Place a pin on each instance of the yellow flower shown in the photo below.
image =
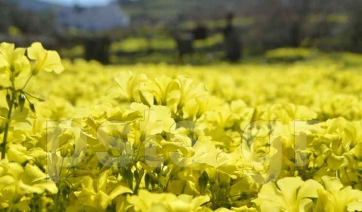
(337, 198)
(156, 119)
(13, 60)
(146, 201)
(288, 194)
(97, 195)
(131, 85)
(244, 209)
(45, 60)
(16, 182)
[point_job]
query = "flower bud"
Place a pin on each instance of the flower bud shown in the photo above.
(147, 180)
(21, 100)
(8, 99)
(203, 180)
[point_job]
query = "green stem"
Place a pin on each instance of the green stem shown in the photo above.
(11, 105)
(7, 125)
(10, 208)
(32, 96)
(27, 81)
(56, 201)
(138, 182)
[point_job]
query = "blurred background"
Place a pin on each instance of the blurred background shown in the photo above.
(183, 31)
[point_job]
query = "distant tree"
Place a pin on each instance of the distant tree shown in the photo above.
(231, 40)
(29, 22)
(287, 22)
(301, 10)
(5, 15)
(97, 48)
(356, 25)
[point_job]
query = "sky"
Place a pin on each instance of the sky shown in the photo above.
(79, 2)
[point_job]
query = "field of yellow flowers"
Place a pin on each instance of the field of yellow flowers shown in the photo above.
(257, 137)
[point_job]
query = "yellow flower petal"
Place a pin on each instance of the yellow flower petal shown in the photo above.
(45, 60)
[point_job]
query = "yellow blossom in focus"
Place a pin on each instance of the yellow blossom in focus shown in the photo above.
(46, 60)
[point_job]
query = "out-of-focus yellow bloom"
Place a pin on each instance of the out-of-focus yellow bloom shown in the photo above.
(14, 31)
(46, 60)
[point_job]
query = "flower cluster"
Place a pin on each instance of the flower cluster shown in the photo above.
(250, 138)
(22, 177)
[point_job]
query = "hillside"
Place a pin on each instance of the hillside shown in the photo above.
(36, 5)
(167, 10)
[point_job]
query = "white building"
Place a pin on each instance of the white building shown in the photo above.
(92, 18)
